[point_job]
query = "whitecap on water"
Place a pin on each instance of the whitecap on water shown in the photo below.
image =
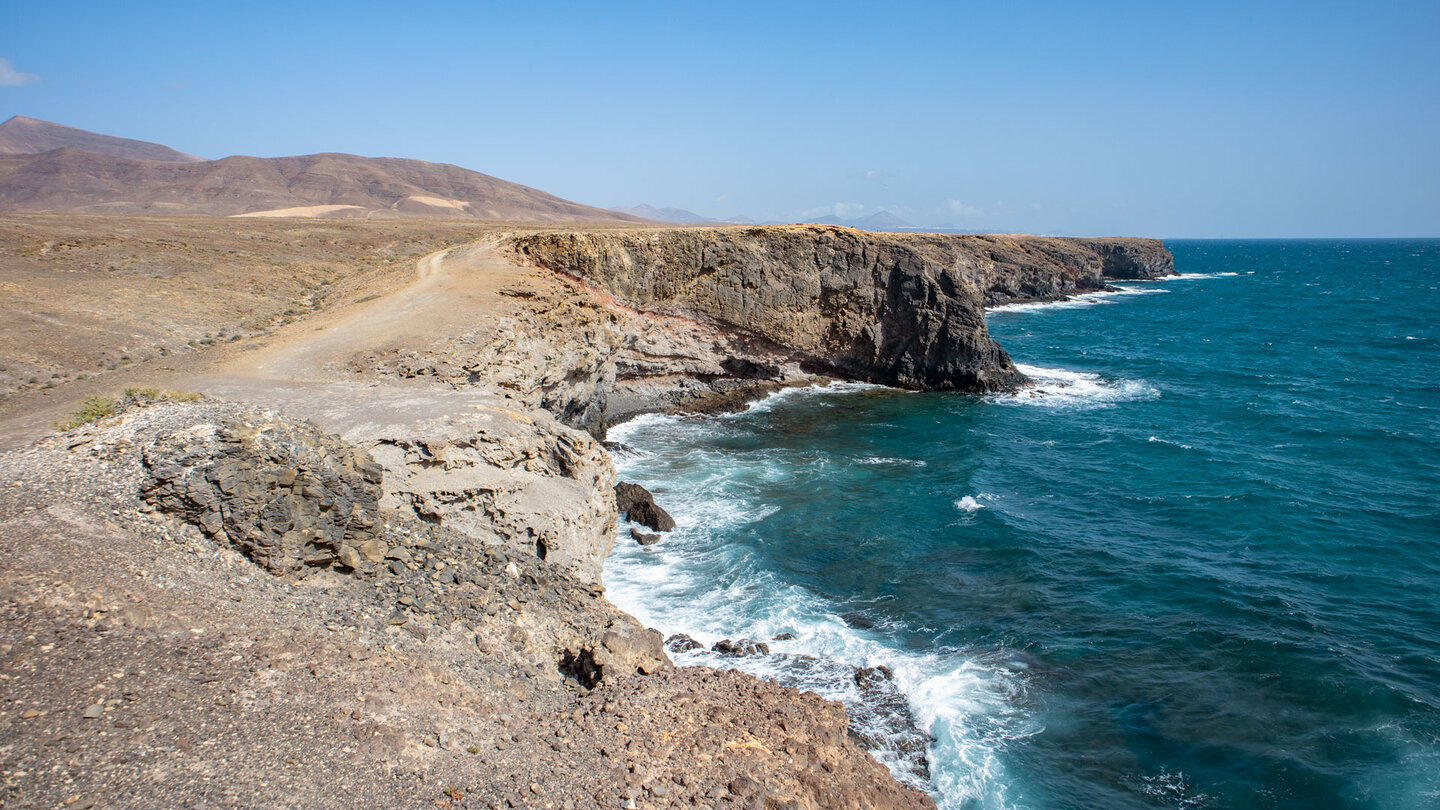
(698, 581)
(1198, 276)
(1059, 388)
(969, 504)
(769, 402)
(1076, 301)
(885, 460)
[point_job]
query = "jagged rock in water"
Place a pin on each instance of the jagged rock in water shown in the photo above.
(644, 538)
(740, 647)
(638, 504)
(682, 643)
(883, 720)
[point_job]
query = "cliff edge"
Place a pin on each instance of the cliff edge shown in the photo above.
(897, 309)
(414, 572)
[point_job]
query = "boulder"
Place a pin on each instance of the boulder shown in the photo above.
(638, 504)
(504, 476)
(280, 491)
(740, 647)
(628, 494)
(647, 513)
(682, 643)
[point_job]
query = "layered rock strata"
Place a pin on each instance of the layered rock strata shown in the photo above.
(518, 479)
(902, 310)
(281, 492)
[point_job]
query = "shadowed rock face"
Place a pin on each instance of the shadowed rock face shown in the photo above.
(281, 492)
(897, 309)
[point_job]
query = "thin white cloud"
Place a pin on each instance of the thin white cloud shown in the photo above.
(963, 209)
(874, 174)
(10, 77)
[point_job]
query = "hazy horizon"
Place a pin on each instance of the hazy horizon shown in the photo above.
(1225, 120)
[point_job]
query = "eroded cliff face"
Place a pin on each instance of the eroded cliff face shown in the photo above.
(431, 666)
(897, 309)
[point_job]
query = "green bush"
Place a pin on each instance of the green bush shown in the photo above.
(95, 408)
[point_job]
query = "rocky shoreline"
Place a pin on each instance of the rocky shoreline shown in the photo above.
(219, 600)
(796, 303)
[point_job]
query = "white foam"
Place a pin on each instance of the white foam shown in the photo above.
(1198, 276)
(968, 504)
(1061, 388)
(1076, 301)
(700, 581)
(767, 403)
(1167, 441)
(885, 460)
(624, 431)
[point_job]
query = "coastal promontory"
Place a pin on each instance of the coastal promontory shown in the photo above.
(340, 539)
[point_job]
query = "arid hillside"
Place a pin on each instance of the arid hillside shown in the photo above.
(49, 168)
(87, 296)
(31, 136)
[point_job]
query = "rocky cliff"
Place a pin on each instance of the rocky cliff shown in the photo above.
(206, 603)
(415, 571)
(897, 309)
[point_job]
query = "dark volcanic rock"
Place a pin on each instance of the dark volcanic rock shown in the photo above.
(747, 369)
(897, 309)
(883, 720)
(637, 504)
(628, 494)
(281, 492)
(859, 621)
(646, 513)
(741, 647)
(644, 538)
(682, 643)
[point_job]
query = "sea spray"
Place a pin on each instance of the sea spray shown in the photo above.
(698, 583)
(1203, 571)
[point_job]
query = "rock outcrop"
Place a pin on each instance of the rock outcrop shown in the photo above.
(517, 479)
(638, 505)
(852, 304)
(897, 309)
(454, 672)
(279, 491)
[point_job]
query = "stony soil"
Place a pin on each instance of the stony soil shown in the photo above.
(398, 603)
(146, 664)
(106, 301)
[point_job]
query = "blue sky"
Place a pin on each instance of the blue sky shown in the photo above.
(1145, 118)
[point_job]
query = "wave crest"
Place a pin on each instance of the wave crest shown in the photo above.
(1061, 388)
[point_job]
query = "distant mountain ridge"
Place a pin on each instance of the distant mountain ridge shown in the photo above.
(878, 221)
(678, 216)
(31, 136)
(89, 173)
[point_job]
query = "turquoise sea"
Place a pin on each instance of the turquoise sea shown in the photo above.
(1198, 566)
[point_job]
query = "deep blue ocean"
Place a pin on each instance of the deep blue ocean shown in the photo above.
(1198, 566)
